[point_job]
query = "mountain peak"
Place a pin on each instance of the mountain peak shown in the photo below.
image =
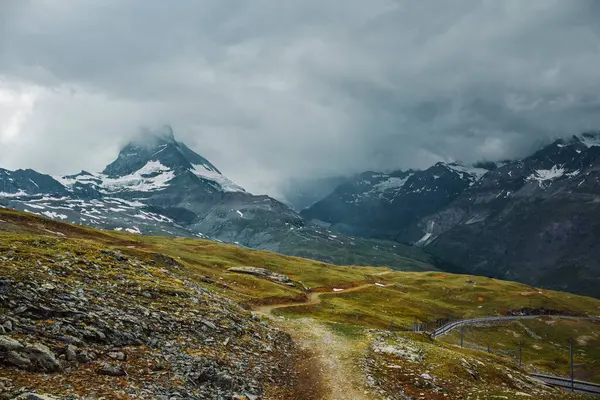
(156, 155)
(472, 172)
(150, 145)
(160, 135)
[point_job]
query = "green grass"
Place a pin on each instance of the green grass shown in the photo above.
(360, 252)
(545, 344)
(432, 296)
(425, 296)
(461, 373)
(347, 331)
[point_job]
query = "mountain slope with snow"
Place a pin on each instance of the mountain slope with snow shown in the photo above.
(535, 220)
(159, 186)
(382, 205)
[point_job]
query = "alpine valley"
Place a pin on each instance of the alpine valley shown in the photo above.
(146, 308)
(535, 220)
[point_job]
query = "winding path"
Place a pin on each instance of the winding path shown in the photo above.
(333, 355)
(314, 298)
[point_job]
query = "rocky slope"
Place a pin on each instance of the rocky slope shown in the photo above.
(159, 186)
(79, 319)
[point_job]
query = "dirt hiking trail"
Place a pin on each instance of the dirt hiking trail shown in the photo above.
(335, 356)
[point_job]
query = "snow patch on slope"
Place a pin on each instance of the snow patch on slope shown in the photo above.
(544, 175)
(206, 172)
(152, 176)
(70, 181)
(54, 215)
(134, 229)
(427, 236)
(17, 194)
(590, 140)
(474, 172)
(392, 183)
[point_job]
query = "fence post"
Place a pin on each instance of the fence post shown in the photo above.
(461, 335)
(571, 365)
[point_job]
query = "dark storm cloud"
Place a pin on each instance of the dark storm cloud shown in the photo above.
(269, 90)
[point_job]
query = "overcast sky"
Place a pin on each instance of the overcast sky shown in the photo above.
(269, 90)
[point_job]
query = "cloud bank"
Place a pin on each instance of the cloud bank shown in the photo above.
(272, 90)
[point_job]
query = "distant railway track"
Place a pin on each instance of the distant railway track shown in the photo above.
(565, 383)
(450, 326)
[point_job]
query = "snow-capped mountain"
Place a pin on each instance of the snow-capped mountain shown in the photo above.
(380, 205)
(535, 220)
(563, 169)
(156, 185)
(159, 186)
(147, 166)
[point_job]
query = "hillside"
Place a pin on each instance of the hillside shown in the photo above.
(96, 313)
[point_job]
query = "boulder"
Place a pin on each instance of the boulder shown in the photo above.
(8, 344)
(263, 273)
(117, 355)
(35, 396)
(42, 358)
(8, 325)
(111, 370)
(84, 357)
(71, 353)
(18, 360)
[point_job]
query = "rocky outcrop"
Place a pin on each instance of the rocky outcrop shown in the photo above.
(34, 357)
(263, 273)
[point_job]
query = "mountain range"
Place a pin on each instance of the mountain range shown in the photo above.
(159, 186)
(534, 220)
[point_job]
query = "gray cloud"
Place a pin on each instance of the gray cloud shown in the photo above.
(271, 90)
